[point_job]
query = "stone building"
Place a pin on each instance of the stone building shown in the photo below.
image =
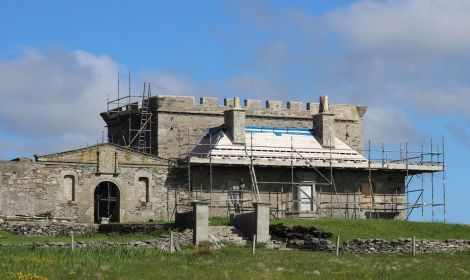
(166, 150)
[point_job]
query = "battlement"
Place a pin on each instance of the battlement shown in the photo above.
(187, 104)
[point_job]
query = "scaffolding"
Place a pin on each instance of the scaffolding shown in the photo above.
(133, 111)
(419, 168)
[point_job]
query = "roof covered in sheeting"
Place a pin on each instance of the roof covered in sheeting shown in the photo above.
(275, 146)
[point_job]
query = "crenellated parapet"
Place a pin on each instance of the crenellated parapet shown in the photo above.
(274, 108)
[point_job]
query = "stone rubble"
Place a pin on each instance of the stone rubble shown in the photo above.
(300, 237)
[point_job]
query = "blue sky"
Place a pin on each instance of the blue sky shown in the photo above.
(408, 61)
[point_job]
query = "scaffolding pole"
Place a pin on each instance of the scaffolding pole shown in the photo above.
(124, 108)
(393, 202)
(210, 175)
(432, 186)
(444, 179)
(422, 181)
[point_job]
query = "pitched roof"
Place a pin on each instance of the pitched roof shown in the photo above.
(275, 146)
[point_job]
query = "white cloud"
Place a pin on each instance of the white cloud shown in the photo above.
(411, 27)
(52, 99)
(413, 54)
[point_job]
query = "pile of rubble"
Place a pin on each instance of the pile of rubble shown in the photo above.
(301, 237)
(371, 246)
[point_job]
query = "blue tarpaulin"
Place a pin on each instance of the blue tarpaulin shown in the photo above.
(278, 131)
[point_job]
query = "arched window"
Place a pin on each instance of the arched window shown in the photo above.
(69, 188)
(143, 189)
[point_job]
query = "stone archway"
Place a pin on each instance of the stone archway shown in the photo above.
(107, 200)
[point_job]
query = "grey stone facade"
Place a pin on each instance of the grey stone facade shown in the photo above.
(40, 188)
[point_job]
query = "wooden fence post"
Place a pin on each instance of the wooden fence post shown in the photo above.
(337, 245)
(253, 249)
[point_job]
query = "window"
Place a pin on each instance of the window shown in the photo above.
(234, 195)
(143, 191)
(69, 188)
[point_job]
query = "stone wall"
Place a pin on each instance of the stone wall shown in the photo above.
(133, 228)
(373, 246)
(388, 189)
(183, 238)
(40, 188)
(48, 228)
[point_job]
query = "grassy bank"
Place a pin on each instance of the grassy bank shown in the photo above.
(385, 229)
(227, 263)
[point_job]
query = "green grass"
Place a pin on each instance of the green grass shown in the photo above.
(238, 262)
(227, 263)
(219, 221)
(385, 229)
(11, 238)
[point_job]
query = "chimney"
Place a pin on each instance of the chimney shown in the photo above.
(234, 120)
(324, 124)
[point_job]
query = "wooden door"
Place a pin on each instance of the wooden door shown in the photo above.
(366, 195)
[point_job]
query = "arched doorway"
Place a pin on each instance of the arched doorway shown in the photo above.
(107, 202)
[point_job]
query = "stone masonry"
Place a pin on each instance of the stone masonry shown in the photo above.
(62, 185)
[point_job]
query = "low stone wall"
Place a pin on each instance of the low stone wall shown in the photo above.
(371, 246)
(132, 228)
(163, 243)
(311, 244)
(53, 229)
(48, 229)
(256, 222)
